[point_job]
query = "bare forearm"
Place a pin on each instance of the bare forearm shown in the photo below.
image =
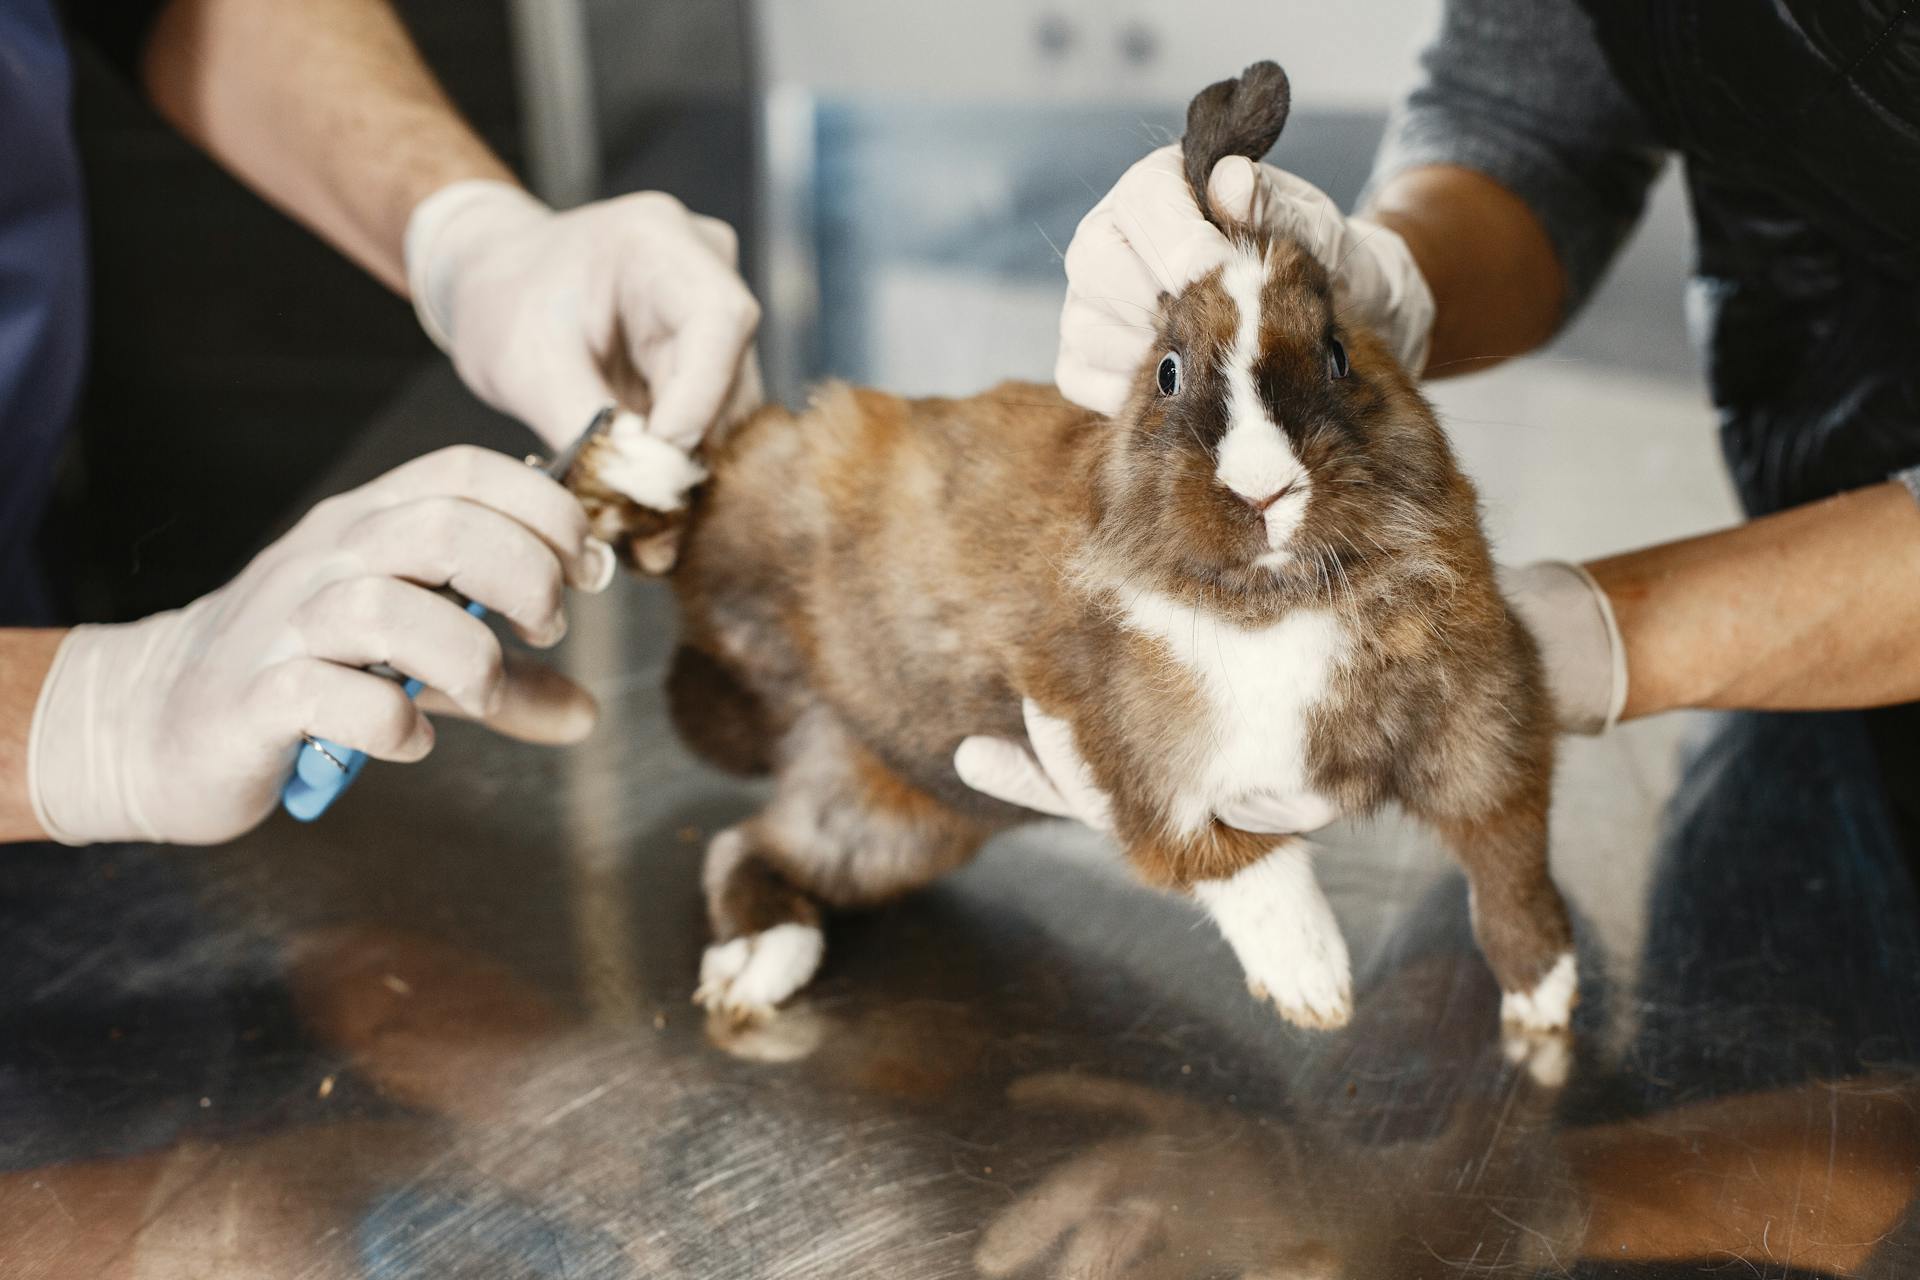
(1498, 288)
(1710, 1179)
(25, 657)
(1817, 607)
(322, 106)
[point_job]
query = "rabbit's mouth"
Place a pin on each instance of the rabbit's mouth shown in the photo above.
(1276, 519)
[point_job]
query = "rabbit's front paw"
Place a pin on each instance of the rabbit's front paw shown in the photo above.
(1284, 934)
(1316, 994)
(747, 976)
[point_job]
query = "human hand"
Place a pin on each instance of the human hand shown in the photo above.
(183, 726)
(547, 315)
(1146, 237)
(1054, 778)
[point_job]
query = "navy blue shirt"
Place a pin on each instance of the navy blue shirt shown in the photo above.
(43, 289)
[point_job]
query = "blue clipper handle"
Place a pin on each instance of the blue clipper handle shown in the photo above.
(325, 769)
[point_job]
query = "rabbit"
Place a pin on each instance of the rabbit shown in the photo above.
(1266, 573)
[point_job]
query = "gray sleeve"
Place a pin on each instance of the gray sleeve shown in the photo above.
(1911, 479)
(1520, 90)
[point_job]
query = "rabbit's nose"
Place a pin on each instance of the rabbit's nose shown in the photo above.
(1261, 504)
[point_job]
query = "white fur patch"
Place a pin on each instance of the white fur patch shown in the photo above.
(1549, 1006)
(1274, 559)
(644, 467)
(1283, 930)
(1547, 1055)
(1261, 684)
(1256, 460)
(751, 975)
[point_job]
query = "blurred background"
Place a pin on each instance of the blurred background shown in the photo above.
(904, 177)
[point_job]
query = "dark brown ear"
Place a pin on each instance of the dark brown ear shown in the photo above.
(1240, 117)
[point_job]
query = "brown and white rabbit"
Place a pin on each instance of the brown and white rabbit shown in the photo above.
(1266, 574)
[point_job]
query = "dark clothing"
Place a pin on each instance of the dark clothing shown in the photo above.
(43, 289)
(1519, 90)
(1799, 127)
(1784, 817)
(117, 29)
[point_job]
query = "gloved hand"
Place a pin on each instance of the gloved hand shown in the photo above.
(1054, 778)
(183, 726)
(1561, 604)
(547, 314)
(1147, 237)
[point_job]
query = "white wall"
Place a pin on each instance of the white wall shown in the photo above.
(1352, 55)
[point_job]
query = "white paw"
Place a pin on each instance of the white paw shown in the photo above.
(1547, 1055)
(1280, 926)
(1318, 997)
(750, 975)
(1549, 1006)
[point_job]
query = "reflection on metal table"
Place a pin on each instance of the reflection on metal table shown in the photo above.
(447, 1033)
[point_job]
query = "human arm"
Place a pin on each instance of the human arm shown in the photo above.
(1815, 607)
(25, 656)
(1514, 171)
(1498, 287)
(325, 108)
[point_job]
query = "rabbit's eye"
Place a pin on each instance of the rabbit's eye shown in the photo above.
(1336, 359)
(1168, 375)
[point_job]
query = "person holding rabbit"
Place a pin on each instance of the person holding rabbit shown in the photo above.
(1505, 186)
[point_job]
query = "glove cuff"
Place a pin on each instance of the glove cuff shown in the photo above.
(1572, 620)
(1408, 309)
(1616, 646)
(76, 765)
(434, 247)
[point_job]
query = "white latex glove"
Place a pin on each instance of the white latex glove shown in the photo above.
(183, 726)
(1146, 237)
(1561, 604)
(1054, 778)
(543, 312)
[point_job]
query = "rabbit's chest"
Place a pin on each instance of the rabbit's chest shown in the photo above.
(1258, 688)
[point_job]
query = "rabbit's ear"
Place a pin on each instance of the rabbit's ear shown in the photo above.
(1240, 117)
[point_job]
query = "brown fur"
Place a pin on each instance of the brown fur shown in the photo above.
(868, 582)
(718, 716)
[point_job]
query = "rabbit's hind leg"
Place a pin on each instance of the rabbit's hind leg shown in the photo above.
(843, 831)
(767, 940)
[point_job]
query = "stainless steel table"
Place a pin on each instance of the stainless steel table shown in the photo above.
(445, 1032)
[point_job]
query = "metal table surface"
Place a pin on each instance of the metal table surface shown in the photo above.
(446, 1032)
